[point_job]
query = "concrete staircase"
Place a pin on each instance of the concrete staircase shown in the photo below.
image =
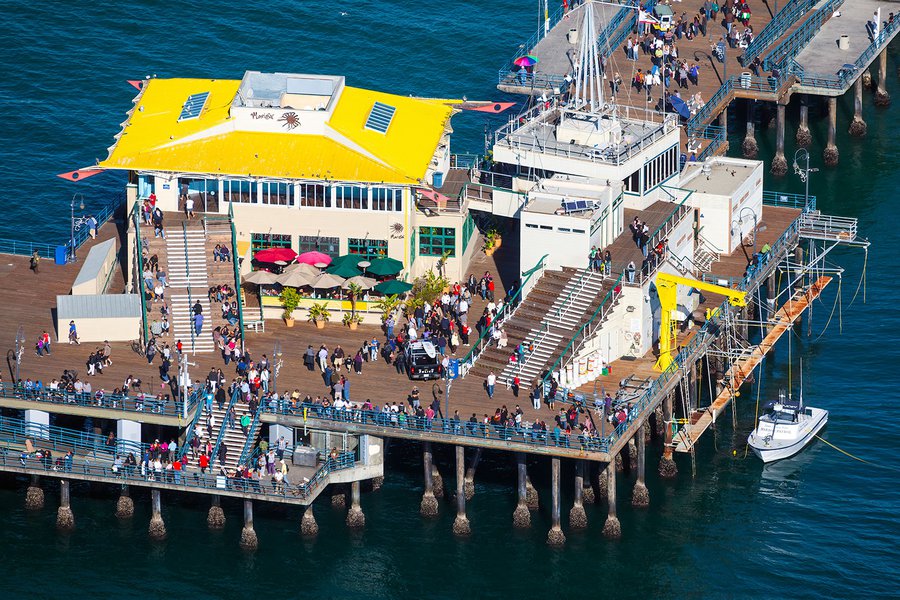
(233, 438)
(557, 307)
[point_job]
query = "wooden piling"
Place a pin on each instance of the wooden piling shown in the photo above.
(555, 537)
(249, 541)
(429, 505)
(65, 519)
(157, 525)
(461, 524)
(355, 517)
(640, 497)
(521, 515)
(577, 516)
(215, 519)
(611, 528)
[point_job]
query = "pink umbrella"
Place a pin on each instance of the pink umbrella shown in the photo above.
(311, 258)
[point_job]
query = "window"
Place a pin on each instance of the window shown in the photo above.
(564, 230)
(369, 248)
(279, 194)
(660, 168)
(315, 194)
(633, 182)
(389, 199)
(261, 241)
(146, 186)
(434, 241)
(351, 196)
(329, 245)
(239, 191)
(468, 230)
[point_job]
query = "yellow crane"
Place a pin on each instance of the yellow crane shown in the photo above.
(667, 289)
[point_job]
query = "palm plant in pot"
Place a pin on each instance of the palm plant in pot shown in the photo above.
(318, 314)
(290, 299)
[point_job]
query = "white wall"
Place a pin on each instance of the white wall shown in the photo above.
(122, 329)
(540, 235)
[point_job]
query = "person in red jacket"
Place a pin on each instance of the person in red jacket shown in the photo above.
(204, 462)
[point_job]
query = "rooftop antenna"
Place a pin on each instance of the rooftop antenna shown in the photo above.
(588, 77)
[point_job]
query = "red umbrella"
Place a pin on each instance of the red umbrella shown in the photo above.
(311, 258)
(273, 255)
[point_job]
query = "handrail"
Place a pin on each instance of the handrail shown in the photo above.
(117, 402)
(187, 272)
(843, 78)
(250, 435)
(508, 309)
(53, 437)
(597, 311)
(139, 274)
(797, 41)
(190, 433)
(800, 201)
(235, 261)
(790, 12)
(222, 426)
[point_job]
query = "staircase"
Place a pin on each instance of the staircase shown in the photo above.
(186, 252)
(233, 438)
(560, 303)
(704, 255)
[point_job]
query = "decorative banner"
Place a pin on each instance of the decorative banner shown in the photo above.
(80, 174)
(494, 107)
(453, 369)
(137, 83)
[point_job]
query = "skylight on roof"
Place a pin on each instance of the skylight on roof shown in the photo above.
(380, 117)
(193, 106)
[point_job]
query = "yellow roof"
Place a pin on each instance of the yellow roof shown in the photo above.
(153, 138)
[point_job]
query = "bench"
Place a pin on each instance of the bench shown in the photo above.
(255, 325)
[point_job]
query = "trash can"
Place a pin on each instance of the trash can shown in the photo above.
(746, 77)
(844, 42)
(438, 179)
(572, 36)
(61, 255)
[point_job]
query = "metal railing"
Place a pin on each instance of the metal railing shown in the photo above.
(251, 436)
(111, 402)
(587, 330)
(788, 200)
(509, 309)
(82, 234)
(789, 14)
(11, 459)
(797, 41)
(465, 161)
(190, 432)
(138, 268)
(526, 436)
(237, 271)
(531, 42)
(59, 439)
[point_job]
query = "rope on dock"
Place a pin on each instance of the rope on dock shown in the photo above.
(862, 460)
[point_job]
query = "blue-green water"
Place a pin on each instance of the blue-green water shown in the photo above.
(819, 525)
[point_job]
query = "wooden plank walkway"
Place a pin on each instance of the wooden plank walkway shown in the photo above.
(734, 378)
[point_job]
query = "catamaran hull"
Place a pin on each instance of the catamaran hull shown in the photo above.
(781, 449)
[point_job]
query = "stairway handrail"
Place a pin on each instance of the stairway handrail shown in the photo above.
(139, 274)
(192, 427)
(235, 261)
(250, 432)
(215, 453)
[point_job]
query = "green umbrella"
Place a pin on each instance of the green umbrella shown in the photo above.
(393, 286)
(384, 266)
(345, 270)
(348, 259)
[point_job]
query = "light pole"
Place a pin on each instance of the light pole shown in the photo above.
(185, 378)
(741, 222)
(76, 223)
(803, 155)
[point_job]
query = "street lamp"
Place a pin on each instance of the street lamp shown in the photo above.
(803, 155)
(77, 223)
(741, 222)
(185, 380)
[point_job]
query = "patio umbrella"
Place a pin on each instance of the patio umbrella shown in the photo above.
(261, 278)
(326, 281)
(680, 106)
(294, 279)
(529, 60)
(385, 266)
(308, 270)
(366, 283)
(314, 257)
(273, 255)
(344, 270)
(393, 286)
(348, 259)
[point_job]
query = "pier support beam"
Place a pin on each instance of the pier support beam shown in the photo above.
(437, 481)
(857, 125)
(338, 496)
(521, 516)
(215, 519)
(65, 519)
(723, 123)
(249, 541)
(882, 98)
(355, 517)
(779, 162)
(587, 493)
(124, 505)
(640, 497)
(377, 483)
(555, 537)
(804, 137)
(749, 148)
(577, 516)
(34, 495)
(867, 78)
(532, 501)
(157, 525)
(461, 524)
(429, 506)
(832, 156)
(470, 475)
(612, 529)
(667, 467)
(308, 526)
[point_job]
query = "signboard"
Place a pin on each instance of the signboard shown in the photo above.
(453, 369)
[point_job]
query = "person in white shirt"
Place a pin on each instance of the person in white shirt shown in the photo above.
(490, 382)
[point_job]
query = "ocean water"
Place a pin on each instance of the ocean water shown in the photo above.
(819, 525)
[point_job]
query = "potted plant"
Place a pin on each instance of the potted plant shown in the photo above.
(387, 306)
(351, 320)
(290, 299)
(492, 241)
(355, 292)
(318, 314)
